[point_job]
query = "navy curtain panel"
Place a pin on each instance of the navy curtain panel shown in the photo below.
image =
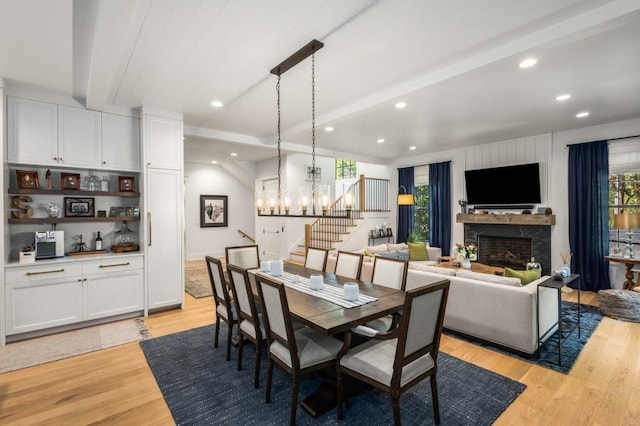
(589, 213)
(440, 206)
(405, 213)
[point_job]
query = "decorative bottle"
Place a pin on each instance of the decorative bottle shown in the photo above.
(124, 240)
(533, 264)
(104, 184)
(98, 242)
(93, 182)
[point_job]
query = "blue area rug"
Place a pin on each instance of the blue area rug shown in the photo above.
(590, 317)
(201, 388)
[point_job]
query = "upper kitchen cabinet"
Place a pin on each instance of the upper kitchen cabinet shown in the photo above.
(32, 130)
(120, 142)
(163, 147)
(79, 137)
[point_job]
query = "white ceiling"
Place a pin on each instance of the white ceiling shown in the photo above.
(454, 63)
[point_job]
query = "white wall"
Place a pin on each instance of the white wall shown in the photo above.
(202, 179)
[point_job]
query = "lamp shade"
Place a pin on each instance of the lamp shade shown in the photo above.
(626, 220)
(405, 200)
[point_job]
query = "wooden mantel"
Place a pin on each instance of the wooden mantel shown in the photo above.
(507, 219)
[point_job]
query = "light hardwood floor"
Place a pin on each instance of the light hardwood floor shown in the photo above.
(116, 386)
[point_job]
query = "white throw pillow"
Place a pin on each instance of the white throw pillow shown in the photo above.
(395, 247)
(419, 266)
(377, 249)
(491, 278)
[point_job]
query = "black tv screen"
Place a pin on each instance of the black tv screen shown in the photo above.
(504, 185)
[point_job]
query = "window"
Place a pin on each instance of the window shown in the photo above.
(346, 169)
(421, 212)
(624, 197)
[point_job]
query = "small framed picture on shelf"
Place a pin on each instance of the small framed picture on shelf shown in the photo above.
(126, 184)
(373, 233)
(70, 181)
(102, 213)
(27, 179)
(78, 207)
(389, 233)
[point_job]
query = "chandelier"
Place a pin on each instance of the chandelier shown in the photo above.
(319, 195)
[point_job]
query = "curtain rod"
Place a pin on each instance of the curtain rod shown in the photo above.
(609, 140)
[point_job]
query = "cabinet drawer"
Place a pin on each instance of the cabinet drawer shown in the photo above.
(112, 265)
(40, 273)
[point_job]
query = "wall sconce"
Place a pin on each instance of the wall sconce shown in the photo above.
(405, 199)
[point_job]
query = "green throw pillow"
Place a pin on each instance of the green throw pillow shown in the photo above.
(525, 276)
(418, 251)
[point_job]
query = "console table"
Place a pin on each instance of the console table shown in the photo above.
(569, 327)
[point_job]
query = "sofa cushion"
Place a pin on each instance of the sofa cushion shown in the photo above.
(491, 278)
(525, 277)
(434, 269)
(377, 249)
(418, 251)
(399, 246)
(395, 254)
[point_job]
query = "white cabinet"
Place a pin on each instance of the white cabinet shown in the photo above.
(120, 142)
(163, 147)
(32, 130)
(71, 291)
(164, 238)
(79, 137)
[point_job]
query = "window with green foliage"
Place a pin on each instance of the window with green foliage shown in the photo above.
(421, 213)
(624, 197)
(346, 169)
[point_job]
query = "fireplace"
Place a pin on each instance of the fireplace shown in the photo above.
(504, 251)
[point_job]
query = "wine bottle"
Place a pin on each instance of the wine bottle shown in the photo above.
(98, 242)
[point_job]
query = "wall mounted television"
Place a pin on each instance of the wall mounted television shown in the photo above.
(504, 186)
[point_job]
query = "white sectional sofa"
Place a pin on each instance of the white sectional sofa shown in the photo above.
(502, 312)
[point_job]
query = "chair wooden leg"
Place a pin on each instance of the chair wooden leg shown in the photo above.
(395, 402)
(229, 335)
(340, 386)
(269, 377)
(294, 399)
(215, 343)
(240, 346)
(256, 379)
(434, 398)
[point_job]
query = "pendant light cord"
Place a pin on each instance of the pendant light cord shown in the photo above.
(279, 140)
(313, 130)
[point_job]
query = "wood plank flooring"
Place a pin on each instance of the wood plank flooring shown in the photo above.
(116, 386)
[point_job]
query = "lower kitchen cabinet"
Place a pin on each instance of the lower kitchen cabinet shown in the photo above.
(72, 291)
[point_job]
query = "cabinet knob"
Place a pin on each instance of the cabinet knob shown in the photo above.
(104, 162)
(55, 158)
(60, 159)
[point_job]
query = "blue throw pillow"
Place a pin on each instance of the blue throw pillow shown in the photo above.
(395, 254)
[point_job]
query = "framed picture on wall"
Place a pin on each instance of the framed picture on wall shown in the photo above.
(213, 211)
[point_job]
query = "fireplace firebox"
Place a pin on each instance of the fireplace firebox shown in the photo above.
(504, 251)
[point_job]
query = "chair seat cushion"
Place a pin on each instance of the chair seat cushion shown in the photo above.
(224, 313)
(313, 348)
(382, 324)
(374, 359)
(247, 327)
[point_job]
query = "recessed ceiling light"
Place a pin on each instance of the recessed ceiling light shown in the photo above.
(214, 162)
(217, 104)
(529, 62)
(380, 140)
(582, 114)
(234, 154)
(563, 97)
(328, 129)
(401, 105)
(412, 148)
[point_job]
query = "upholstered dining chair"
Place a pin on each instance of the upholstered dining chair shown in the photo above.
(398, 360)
(389, 273)
(316, 258)
(246, 257)
(250, 323)
(224, 308)
(348, 264)
(298, 352)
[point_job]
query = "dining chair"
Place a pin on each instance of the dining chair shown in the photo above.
(297, 352)
(246, 257)
(389, 273)
(250, 322)
(398, 360)
(316, 258)
(348, 264)
(224, 308)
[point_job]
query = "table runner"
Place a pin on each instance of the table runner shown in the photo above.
(329, 292)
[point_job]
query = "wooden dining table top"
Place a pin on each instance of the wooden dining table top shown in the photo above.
(332, 319)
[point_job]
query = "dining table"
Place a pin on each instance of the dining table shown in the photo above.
(332, 318)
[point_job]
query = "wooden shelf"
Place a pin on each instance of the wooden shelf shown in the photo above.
(77, 193)
(507, 219)
(41, 220)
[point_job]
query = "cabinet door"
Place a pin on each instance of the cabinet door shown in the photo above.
(32, 131)
(163, 142)
(113, 293)
(51, 303)
(164, 238)
(79, 137)
(120, 142)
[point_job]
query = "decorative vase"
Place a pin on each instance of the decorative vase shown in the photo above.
(466, 263)
(566, 271)
(533, 264)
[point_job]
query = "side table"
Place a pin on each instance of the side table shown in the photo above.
(557, 285)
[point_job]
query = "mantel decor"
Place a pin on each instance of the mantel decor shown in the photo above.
(213, 211)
